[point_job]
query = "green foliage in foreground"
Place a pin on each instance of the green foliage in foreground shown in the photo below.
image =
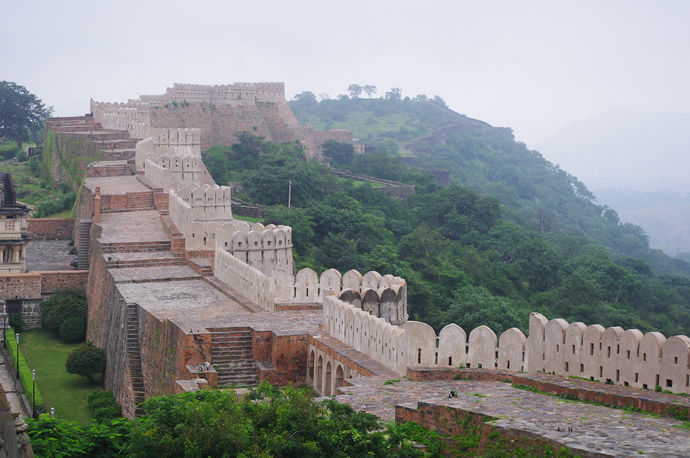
(103, 405)
(267, 422)
(465, 257)
(25, 376)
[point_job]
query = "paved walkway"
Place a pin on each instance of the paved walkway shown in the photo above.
(8, 386)
(595, 429)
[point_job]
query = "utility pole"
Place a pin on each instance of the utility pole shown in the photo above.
(290, 194)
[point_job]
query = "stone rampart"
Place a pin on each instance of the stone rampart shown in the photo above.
(247, 280)
(50, 228)
(614, 355)
(171, 142)
(383, 296)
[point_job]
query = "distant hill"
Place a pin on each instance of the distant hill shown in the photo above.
(665, 216)
(637, 150)
(534, 192)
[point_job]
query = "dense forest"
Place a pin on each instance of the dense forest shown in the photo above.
(466, 256)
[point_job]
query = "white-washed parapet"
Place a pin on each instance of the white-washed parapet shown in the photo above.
(614, 355)
(248, 281)
(170, 143)
(383, 296)
(266, 248)
(132, 117)
(367, 333)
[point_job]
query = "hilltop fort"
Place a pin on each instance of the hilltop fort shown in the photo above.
(183, 296)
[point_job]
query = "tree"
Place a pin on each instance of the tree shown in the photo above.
(66, 305)
(369, 89)
(394, 94)
(21, 112)
(437, 100)
(338, 151)
(86, 360)
(355, 90)
(305, 98)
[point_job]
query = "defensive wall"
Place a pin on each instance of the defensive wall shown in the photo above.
(181, 295)
(220, 112)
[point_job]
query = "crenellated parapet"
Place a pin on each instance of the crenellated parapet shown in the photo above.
(623, 357)
(266, 248)
(170, 142)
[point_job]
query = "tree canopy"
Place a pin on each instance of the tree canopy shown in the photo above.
(21, 112)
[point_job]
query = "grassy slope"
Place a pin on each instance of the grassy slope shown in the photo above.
(66, 392)
(28, 187)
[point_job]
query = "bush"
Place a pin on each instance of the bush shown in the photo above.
(8, 150)
(86, 360)
(25, 377)
(73, 329)
(64, 305)
(20, 157)
(103, 406)
(17, 322)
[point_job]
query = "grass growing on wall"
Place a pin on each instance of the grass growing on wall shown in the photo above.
(66, 392)
(24, 369)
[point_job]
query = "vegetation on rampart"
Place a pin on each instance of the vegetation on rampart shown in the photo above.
(266, 422)
(466, 257)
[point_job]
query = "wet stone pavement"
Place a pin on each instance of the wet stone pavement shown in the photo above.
(595, 429)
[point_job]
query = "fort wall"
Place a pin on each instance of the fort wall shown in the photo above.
(220, 112)
(612, 355)
(50, 228)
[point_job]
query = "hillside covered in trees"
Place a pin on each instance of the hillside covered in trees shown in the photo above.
(468, 257)
(534, 193)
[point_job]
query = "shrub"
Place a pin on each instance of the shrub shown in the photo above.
(17, 322)
(103, 406)
(20, 157)
(67, 304)
(86, 360)
(73, 329)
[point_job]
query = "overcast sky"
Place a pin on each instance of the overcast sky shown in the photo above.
(531, 65)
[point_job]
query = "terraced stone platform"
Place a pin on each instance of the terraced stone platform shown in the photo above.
(132, 227)
(115, 185)
(587, 429)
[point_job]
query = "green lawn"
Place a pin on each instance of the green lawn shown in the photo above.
(66, 392)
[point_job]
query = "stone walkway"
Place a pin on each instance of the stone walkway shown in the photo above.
(595, 429)
(48, 255)
(129, 227)
(8, 386)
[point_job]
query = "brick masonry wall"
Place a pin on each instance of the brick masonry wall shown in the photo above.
(20, 286)
(107, 329)
(163, 347)
(54, 280)
(483, 438)
(50, 228)
(219, 124)
(288, 358)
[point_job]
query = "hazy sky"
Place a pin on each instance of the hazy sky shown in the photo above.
(532, 65)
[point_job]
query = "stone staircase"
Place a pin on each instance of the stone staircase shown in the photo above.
(233, 358)
(134, 357)
(83, 233)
